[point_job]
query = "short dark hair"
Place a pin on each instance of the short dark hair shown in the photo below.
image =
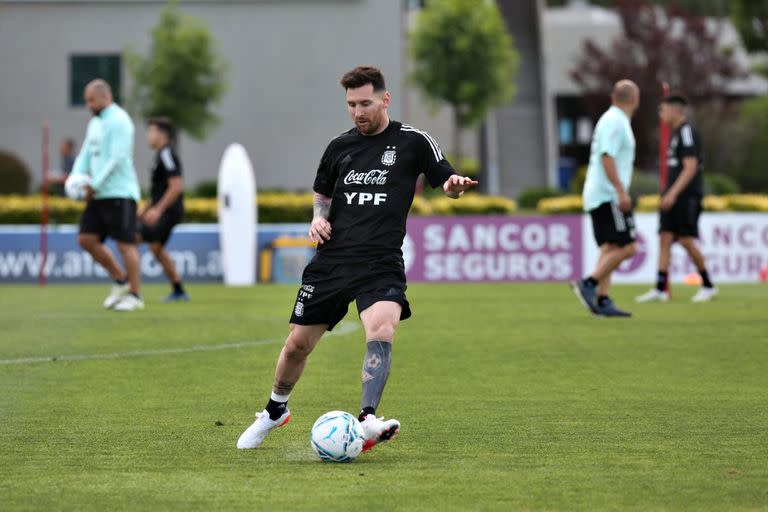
(363, 75)
(675, 99)
(165, 125)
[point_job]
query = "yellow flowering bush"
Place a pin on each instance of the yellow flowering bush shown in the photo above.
(283, 207)
(747, 202)
(564, 204)
(650, 203)
(272, 208)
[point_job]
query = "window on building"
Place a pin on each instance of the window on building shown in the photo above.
(84, 68)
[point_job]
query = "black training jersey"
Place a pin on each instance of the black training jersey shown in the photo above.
(371, 180)
(167, 165)
(685, 142)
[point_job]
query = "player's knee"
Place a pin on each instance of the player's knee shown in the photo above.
(384, 330)
(295, 349)
(86, 242)
(298, 346)
(126, 247)
(630, 250)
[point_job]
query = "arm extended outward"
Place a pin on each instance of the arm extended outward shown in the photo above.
(455, 186)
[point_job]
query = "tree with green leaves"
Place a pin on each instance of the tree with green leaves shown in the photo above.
(463, 55)
(656, 45)
(182, 77)
(700, 7)
(749, 168)
(751, 19)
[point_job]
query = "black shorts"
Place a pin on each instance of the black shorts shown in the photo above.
(683, 218)
(611, 226)
(328, 288)
(114, 218)
(161, 230)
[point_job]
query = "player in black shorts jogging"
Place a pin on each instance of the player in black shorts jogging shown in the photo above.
(363, 190)
(165, 208)
(681, 201)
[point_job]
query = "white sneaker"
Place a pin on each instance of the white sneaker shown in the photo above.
(129, 303)
(255, 434)
(704, 294)
(653, 295)
(118, 292)
(378, 430)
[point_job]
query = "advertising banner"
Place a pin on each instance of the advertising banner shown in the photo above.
(436, 249)
(194, 248)
(490, 248)
(735, 246)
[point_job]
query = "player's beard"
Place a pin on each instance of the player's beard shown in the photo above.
(370, 126)
(366, 127)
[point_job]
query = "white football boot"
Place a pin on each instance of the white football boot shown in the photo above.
(255, 434)
(704, 294)
(129, 303)
(653, 295)
(378, 430)
(118, 292)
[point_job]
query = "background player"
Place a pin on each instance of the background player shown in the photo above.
(363, 190)
(606, 198)
(681, 202)
(165, 208)
(107, 157)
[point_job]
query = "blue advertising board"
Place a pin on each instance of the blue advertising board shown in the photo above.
(194, 248)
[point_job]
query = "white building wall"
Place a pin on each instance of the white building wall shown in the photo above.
(284, 103)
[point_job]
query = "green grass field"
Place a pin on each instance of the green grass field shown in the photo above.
(510, 396)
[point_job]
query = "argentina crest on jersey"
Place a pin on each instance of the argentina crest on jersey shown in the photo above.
(389, 156)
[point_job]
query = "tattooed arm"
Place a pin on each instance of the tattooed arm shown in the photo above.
(320, 230)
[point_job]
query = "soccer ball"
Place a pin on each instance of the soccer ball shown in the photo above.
(337, 436)
(75, 186)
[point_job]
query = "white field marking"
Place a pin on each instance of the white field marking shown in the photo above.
(301, 455)
(341, 330)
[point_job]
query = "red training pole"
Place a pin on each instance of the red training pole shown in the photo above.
(663, 145)
(44, 208)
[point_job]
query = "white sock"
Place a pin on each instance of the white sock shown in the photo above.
(280, 398)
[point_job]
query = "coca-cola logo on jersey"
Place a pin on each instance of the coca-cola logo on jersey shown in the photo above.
(372, 177)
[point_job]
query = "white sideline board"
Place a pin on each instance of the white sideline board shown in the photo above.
(237, 217)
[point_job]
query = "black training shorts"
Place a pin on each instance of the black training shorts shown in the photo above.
(328, 288)
(612, 226)
(114, 218)
(161, 230)
(683, 218)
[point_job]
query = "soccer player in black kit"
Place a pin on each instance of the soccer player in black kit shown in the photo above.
(681, 201)
(165, 208)
(364, 187)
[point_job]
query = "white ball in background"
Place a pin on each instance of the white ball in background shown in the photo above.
(75, 186)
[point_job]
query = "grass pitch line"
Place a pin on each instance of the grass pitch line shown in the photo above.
(341, 330)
